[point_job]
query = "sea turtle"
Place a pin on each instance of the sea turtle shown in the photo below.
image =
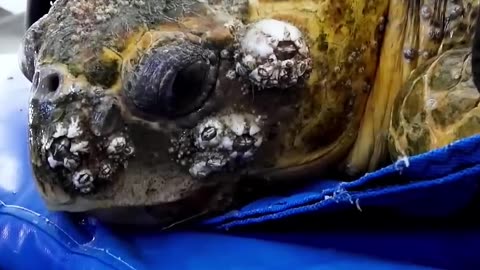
(156, 111)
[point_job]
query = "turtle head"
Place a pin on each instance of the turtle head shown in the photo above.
(135, 109)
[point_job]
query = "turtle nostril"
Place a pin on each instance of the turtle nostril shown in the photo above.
(51, 82)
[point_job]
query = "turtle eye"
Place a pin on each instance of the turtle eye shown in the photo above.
(189, 90)
(173, 80)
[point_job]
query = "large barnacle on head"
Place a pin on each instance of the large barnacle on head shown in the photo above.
(272, 54)
(219, 143)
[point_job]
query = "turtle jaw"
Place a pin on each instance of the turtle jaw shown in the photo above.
(77, 137)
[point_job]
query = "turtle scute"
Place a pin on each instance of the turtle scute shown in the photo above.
(437, 105)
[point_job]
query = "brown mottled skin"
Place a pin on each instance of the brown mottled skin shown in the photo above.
(108, 63)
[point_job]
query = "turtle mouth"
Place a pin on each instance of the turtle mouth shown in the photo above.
(77, 136)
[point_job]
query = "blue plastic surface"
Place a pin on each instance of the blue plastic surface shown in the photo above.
(436, 184)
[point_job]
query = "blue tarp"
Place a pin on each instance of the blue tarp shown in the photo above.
(437, 184)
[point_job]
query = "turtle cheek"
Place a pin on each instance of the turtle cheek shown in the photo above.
(78, 140)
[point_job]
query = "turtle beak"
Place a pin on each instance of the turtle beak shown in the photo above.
(77, 136)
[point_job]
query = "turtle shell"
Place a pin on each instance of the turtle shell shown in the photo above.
(437, 105)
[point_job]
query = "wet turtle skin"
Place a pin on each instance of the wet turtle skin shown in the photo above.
(417, 31)
(154, 112)
(437, 106)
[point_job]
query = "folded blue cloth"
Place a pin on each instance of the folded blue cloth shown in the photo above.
(437, 183)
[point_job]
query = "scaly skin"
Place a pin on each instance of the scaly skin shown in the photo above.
(414, 35)
(436, 107)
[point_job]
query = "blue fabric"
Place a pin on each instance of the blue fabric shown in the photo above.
(440, 183)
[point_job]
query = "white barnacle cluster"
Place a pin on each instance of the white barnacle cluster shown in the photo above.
(89, 13)
(69, 136)
(116, 145)
(238, 134)
(64, 149)
(83, 181)
(69, 151)
(119, 149)
(272, 54)
(207, 163)
(225, 140)
(101, 10)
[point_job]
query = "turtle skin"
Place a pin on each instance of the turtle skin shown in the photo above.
(417, 31)
(437, 105)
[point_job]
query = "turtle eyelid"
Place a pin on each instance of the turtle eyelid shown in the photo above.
(172, 80)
